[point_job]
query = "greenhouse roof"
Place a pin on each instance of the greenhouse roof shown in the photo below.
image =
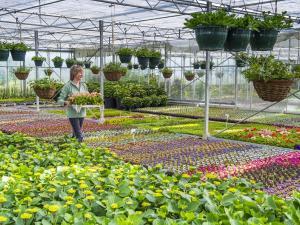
(75, 23)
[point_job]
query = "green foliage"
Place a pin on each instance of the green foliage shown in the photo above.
(277, 21)
(19, 47)
(216, 18)
(189, 73)
(95, 69)
(93, 98)
(94, 86)
(296, 70)
(48, 72)
(114, 67)
(45, 83)
(4, 45)
(154, 54)
(79, 63)
(125, 51)
(267, 68)
(71, 61)
(242, 56)
(142, 52)
(246, 22)
(203, 64)
(22, 69)
(167, 70)
(38, 58)
(197, 63)
(57, 59)
(109, 89)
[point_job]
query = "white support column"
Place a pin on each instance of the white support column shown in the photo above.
(101, 27)
(36, 45)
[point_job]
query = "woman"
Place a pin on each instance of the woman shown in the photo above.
(75, 85)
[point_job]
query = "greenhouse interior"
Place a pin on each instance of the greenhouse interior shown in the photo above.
(140, 112)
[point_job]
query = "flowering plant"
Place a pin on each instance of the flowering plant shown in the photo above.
(93, 98)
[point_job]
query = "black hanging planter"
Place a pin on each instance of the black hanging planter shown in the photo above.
(203, 66)
(211, 38)
(160, 65)
(263, 40)
(135, 66)
(125, 58)
(18, 55)
(143, 67)
(143, 61)
(58, 64)
(87, 65)
(4, 54)
(240, 63)
(153, 62)
(110, 103)
(38, 62)
(237, 40)
(129, 66)
(69, 65)
(196, 66)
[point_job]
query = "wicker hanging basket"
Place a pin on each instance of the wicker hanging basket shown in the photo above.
(113, 76)
(167, 75)
(189, 78)
(45, 93)
(21, 76)
(274, 90)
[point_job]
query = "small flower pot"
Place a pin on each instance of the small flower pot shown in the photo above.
(45, 93)
(237, 40)
(57, 64)
(38, 63)
(21, 76)
(18, 55)
(143, 61)
(125, 58)
(110, 103)
(113, 76)
(4, 54)
(263, 40)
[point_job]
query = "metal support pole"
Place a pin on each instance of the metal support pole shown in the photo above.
(207, 75)
(182, 72)
(36, 45)
(101, 28)
(235, 86)
(7, 80)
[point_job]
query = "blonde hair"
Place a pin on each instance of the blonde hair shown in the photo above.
(75, 69)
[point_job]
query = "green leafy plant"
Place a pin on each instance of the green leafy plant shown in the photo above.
(93, 98)
(114, 67)
(242, 56)
(270, 21)
(79, 63)
(245, 22)
(216, 18)
(57, 59)
(154, 54)
(22, 69)
(71, 61)
(142, 52)
(167, 70)
(4, 45)
(45, 83)
(267, 68)
(19, 47)
(95, 69)
(38, 58)
(197, 63)
(125, 51)
(48, 72)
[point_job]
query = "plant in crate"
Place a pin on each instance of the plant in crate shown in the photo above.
(22, 72)
(4, 51)
(264, 36)
(70, 62)
(125, 54)
(38, 60)
(143, 55)
(271, 78)
(114, 71)
(189, 75)
(167, 72)
(86, 98)
(241, 59)
(18, 51)
(210, 28)
(57, 61)
(154, 58)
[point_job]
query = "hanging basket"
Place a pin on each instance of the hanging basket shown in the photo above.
(263, 40)
(113, 76)
(18, 55)
(58, 64)
(125, 58)
(237, 40)
(69, 65)
(160, 65)
(240, 63)
(167, 75)
(143, 67)
(196, 66)
(153, 62)
(45, 93)
(274, 90)
(189, 78)
(38, 62)
(211, 38)
(4, 54)
(143, 61)
(135, 66)
(203, 66)
(87, 65)
(129, 66)
(21, 76)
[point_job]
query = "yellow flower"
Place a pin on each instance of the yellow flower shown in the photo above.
(53, 208)
(232, 190)
(87, 216)
(26, 216)
(33, 210)
(114, 206)
(185, 175)
(78, 206)
(51, 190)
(90, 197)
(100, 191)
(157, 194)
(71, 191)
(88, 192)
(2, 199)
(69, 198)
(145, 204)
(217, 183)
(211, 176)
(3, 219)
(83, 186)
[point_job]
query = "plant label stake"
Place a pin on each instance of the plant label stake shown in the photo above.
(227, 118)
(132, 132)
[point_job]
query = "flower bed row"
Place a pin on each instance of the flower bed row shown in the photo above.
(79, 185)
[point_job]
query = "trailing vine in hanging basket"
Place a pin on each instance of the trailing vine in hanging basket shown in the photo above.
(22, 72)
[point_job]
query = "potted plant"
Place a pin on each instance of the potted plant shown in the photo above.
(189, 75)
(239, 34)
(44, 88)
(154, 58)
(79, 63)
(210, 28)
(200, 74)
(4, 51)
(70, 62)
(203, 65)
(57, 61)
(120, 92)
(135, 66)
(125, 54)
(167, 72)
(114, 71)
(87, 64)
(38, 60)
(18, 51)
(48, 72)
(129, 66)
(296, 69)
(161, 64)
(271, 77)
(142, 55)
(143, 67)
(109, 99)
(22, 72)
(241, 59)
(264, 37)
(196, 64)
(95, 69)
